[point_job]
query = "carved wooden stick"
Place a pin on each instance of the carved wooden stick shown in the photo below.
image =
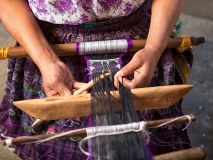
(70, 49)
(89, 85)
(28, 139)
(79, 105)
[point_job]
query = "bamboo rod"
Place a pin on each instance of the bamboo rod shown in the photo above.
(150, 124)
(187, 154)
(79, 105)
(85, 87)
(70, 49)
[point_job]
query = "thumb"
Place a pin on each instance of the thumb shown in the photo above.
(126, 70)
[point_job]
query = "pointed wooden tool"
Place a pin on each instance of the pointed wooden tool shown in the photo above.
(85, 87)
(79, 105)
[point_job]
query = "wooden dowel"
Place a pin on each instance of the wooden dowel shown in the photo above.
(70, 49)
(187, 154)
(85, 87)
(89, 85)
(24, 139)
(36, 122)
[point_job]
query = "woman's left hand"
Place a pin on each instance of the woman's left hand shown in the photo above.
(143, 65)
(58, 80)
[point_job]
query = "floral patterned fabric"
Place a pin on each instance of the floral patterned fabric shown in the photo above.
(80, 11)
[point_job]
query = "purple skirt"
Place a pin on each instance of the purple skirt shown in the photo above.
(24, 81)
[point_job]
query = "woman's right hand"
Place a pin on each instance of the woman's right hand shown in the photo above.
(58, 80)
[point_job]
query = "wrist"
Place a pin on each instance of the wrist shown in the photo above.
(154, 50)
(151, 53)
(46, 59)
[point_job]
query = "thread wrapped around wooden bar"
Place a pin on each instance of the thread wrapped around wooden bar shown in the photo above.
(79, 48)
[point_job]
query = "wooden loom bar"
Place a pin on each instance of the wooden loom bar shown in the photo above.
(187, 154)
(79, 105)
(70, 49)
(150, 124)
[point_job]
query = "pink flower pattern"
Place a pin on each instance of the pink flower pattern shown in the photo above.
(76, 12)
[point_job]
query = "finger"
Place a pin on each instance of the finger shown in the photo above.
(73, 90)
(77, 85)
(134, 83)
(51, 93)
(56, 95)
(134, 64)
(84, 92)
(127, 83)
(116, 80)
(63, 90)
(127, 70)
(70, 83)
(141, 79)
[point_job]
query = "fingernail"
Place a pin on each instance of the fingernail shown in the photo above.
(67, 94)
(119, 73)
(120, 79)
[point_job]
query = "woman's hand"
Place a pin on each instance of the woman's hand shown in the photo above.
(143, 65)
(58, 80)
(144, 61)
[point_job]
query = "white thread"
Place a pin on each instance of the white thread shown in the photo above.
(7, 137)
(10, 149)
(109, 46)
(113, 130)
(190, 121)
(8, 142)
(175, 119)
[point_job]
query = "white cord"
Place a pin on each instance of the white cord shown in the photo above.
(8, 142)
(190, 121)
(175, 119)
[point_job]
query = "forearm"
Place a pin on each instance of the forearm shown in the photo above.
(24, 28)
(164, 16)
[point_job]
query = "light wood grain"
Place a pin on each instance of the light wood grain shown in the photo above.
(79, 105)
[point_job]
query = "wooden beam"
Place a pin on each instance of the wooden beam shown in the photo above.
(79, 105)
